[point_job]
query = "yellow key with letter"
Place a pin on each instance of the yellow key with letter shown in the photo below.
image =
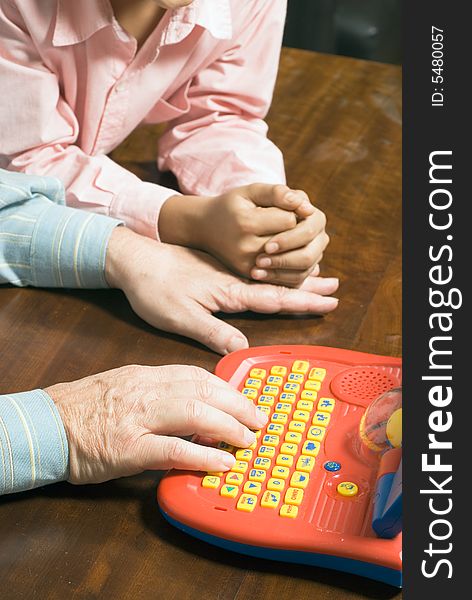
(234, 478)
(240, 466)
(299, 480)
(229, 491)
(300, 366)
(326, 404)
(249, 393)
(275, 484)
(275, 380)
(270, 499)
(308, 395)
(279, 418)
(311, 448)
(275, 428)
(225, 446)
(258, 373)
(253, 487)
(289, 510)
(294, 388)
(277, 370)
(264, 409)
(295, 378)
(271, 440)
(257, 475)
(294, 496)
(247, 502)
(268, 451)
(270, 390)
(266, 400)
(262, 463)
(297, 426)
(316, 433)
(317, 373)
(211, 482)
(347, 488)
(301, 415)
(288, 397)
(288, 448)
(292, 437)
(284, 460)
(253, 383)
(283, 407)
(321, 418)
(305, 464)
(280, 472)
(244, 454)
(305, 405)
(313, 386)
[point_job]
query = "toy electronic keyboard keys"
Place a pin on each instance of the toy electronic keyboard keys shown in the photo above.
(322, 484)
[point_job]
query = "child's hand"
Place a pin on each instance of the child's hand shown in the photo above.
(236, 226)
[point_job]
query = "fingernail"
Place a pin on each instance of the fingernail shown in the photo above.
(262, 417)
(237, 342)
(259, 274)
(330, 303)
(271, 247)
(228, 459)
(249, 437)
(264, 262)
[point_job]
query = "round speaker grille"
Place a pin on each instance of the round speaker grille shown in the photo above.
(361, 385)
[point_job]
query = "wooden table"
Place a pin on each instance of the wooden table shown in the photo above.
(337, 121)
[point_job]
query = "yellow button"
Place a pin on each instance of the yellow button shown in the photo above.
(316, 433)
(249, 393)
(229, 491)
(299, 480)
(259, 373)
(271, 440)
(305, 464)
(257, 433)
(288, 448)
(279, 418)
(240, 466)
(252, 446)
(297, 426)
(275, 428)
(317, 373)
(280, 472)
(300, 366)
(234, 478)
(257, 475)
(321, 418)
(264, 409)
(294, 496)
(275, 380)
(308, 395)
(215, 473)
(305, 405)
(262, 463)
(244, 454)
(311, 448)
(301, 415)
(275, 484)
(313, 386)
(253, 383)
(267, 451)
(326, 404)
(271, 390)
(277, 370)
(266, 400)
(211, 482)
(253, 487)
(288, 397)
(270, 499)
(247, 502)
(293, 438)
(294, 388)
(289, 510)
(284, 460)
(295, 378)
(347, 488)
(225, 446)
(283, 407)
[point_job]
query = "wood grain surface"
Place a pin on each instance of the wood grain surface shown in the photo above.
(338, 122)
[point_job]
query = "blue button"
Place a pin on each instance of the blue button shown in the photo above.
(332, 466)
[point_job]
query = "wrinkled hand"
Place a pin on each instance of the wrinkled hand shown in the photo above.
(178, 290)
(127, 420)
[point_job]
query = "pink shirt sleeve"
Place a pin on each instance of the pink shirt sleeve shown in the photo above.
(221, 143)
(39, 131)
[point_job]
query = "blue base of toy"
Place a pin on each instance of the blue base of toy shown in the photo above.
(356, 567)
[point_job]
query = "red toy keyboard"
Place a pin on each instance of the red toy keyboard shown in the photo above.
(304, 491)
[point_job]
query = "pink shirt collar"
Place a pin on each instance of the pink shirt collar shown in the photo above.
(75, 24)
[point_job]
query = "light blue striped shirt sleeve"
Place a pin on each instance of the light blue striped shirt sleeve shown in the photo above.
(44, 243)
(33, 443)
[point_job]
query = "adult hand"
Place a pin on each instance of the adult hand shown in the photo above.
(178, 290)
(127, 420)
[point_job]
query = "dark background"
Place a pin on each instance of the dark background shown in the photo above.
(369, 29)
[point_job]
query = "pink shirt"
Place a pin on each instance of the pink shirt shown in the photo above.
(73, 86)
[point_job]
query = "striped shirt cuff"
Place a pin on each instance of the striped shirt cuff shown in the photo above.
(33, 442)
